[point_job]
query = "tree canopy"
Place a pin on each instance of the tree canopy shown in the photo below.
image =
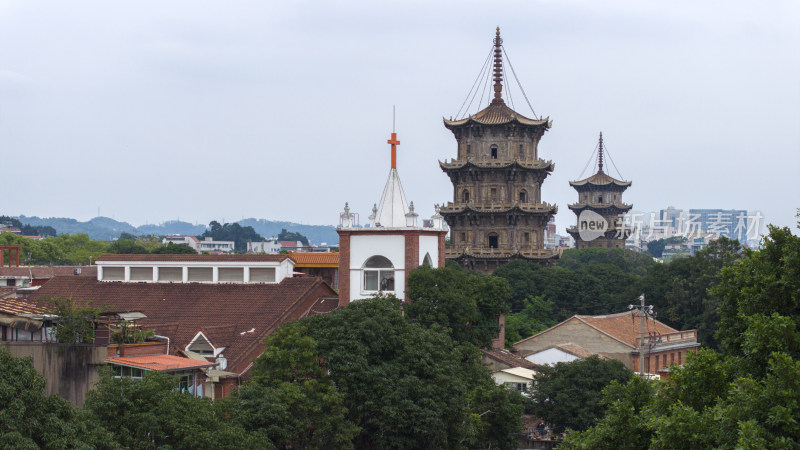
(292, 236)
(232, 232)
(746, 397)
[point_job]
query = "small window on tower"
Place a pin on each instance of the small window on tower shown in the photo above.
(521, 151)
(465, 196)
(494, 152)
(523, 196)
(526, 237)
(463, 237)
(469, 149)
(600, 199)
(493, 194)
(493, 243)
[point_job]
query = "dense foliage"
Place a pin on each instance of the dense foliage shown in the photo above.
(28, 230)
(468, 305)
(232, 232)
(292, 236)
(746, 397)
(568, 394)
(602, 281)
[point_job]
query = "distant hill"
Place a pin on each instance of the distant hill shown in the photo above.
(107, 229)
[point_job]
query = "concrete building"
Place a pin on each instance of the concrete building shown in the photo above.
(375, 260)
(271, 246)
(208, 244)
(247, 269)
(616, 336)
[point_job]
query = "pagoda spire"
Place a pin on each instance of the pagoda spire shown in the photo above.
(600, 154)
(498, 68)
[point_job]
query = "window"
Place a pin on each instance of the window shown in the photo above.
(526, 237)
(516, 386)
(465, 196)
(469, 149)
(600, 199)
(463, 237)
(679, 358)
(493, 243)
(493, 194)
(378, 274)
(427, 260)
(523, 196)
(494, 152)
(521, 151)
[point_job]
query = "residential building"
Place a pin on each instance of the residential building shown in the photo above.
(317, 264)
(517, 378)
(247, 269)
(616, 336)
(270, 246)
(497, 214)
(224, 322)
(376, 260)
(32, 276)
(208, 244)
(559, 353)
(600, 209)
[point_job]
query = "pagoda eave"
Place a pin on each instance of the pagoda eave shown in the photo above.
(502, 255)
(620, 207)
(537, 166)
(545, 209)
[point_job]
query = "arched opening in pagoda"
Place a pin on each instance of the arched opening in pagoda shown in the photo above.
(494, 152)
(493, 240)
(523, 196)
(465, 196)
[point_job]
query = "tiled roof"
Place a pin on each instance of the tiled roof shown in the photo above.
(498, 113)
(289, 243)
(160, 363)
(315, 259)
(227, 312)
(508, 358)
(625, 326)
(16, 306)
(47, 271)
(600, 179)
(192, 258)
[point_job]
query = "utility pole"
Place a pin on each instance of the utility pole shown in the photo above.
(644, 313)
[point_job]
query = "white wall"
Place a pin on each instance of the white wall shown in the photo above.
(364, 246)
(429, 244)
(551, 356)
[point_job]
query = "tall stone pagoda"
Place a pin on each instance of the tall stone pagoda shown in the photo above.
(600, 209)
(497, 213)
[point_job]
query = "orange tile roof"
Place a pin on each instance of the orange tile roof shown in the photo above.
(315, 259)
(625, 326)
(16, 306)
(160, 363)
(191, 258)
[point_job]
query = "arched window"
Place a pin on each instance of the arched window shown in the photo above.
(494, 152)
(465, 196)
(378, 274)
(523, 196)
(427, 261)
(493, 241)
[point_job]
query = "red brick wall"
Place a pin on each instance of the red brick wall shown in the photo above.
(146, 348)
(411, 252)
(441, 249)
(344, 268)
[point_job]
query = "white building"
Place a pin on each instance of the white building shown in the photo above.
(194, 268)
(206, 245)
(517, 378)
(376, 259)
(271, 246)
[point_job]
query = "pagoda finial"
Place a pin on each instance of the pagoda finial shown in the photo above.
(498, 68)
(600, 154)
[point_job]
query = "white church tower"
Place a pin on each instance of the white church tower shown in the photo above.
(376, 259)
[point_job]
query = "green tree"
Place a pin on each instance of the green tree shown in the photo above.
(568, 394)
(407, 385)
(76, 320)
(149, 413)
(232, 232)
(29, 419)
(469, 305)
(536, 315)
(291, 398)
(292, 236)
(173, 249)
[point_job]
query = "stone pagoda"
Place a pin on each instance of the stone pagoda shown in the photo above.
(600, 209)
(497, 213)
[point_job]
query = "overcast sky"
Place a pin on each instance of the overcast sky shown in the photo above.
(209, 110)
